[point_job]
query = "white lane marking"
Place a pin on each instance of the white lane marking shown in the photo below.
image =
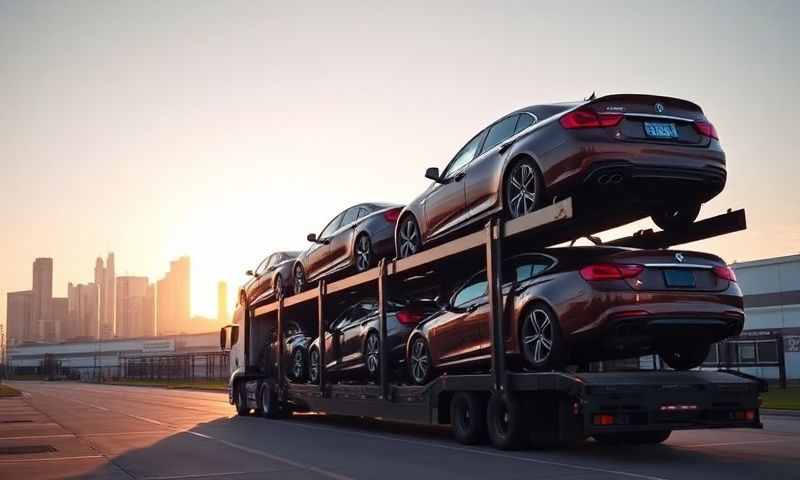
(206, 475)
(30, 437)
(727, 444)
(53, 459)
(276, 458)
(99, 434)
(481, 452)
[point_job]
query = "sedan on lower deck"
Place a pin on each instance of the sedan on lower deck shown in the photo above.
(576, 305)
(355, 240)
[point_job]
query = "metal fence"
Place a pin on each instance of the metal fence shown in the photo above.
(182, 367)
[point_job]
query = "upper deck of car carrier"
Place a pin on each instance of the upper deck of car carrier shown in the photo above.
(586, 403)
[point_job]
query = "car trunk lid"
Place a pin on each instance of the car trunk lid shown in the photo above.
(666, 270)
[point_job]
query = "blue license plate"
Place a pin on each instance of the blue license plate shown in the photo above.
(679, 278)
(660, 130)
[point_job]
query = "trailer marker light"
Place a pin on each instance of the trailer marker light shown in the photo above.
(603, 419)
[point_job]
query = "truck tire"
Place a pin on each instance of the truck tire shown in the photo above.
(633, 438)
(468, 417)
(507, 421)
(240, 400)
(270, 407)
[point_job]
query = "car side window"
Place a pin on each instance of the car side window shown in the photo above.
(525, 120)
(350, 216)
(262, 267)
(362, 212)
(464, 156)
(526, 268)
(499, 132)
(332, 226)
(473, 290)
(341, 320)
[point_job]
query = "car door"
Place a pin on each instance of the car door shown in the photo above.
(318, 254)
(256, 287)
(342, 240)
(474, 302)
(333, 340)
(355, 332)
(482, 185)
(445, 204)
(451, 335)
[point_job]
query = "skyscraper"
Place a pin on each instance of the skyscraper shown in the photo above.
(19, 318)
(59, 315)
(222, 302)
(42, 299)
(131, 296)
(105, 279)
(174, 296)
(84, 311)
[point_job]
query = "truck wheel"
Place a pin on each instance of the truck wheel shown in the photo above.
(270, 408)
(240, 400)
(468, 417)
(507, 421)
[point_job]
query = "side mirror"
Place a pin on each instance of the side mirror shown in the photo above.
(433, 174)
(312, 237)
(249, 273)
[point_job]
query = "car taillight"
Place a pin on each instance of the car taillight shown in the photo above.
(585, 118)
(725, 273)
(706, 129)
(610, 271)
(408, 317)
(392, 215)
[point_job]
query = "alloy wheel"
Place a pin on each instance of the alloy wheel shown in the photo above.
(409, 238)
(537, 335)
(373, 353)
(297, 364)
(313, 367)
(420, 361)
(363, 253)
(521, 190)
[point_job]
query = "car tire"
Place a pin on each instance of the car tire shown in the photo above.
(240, 400)
(270, 407)
(363, 255)
(685, 358)
(313, 366)
(372, 355)
(298, 366)
(409, 237)
(420, 364)
(278, 287)
(633, 438)
(540, 338)
(507, 421)
(676, 218)
(298, 279)
(468, 417)
(523, 189)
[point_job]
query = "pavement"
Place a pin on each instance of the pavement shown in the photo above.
(74, 430)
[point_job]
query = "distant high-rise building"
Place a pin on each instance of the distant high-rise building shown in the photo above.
(131, 296)
(174, 296)
(84, 311)
(59, 313)
(42, 299)
(222, 302)
(19, 318)
(105, 279)
(150, 311)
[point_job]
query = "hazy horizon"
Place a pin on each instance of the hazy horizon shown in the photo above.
(226, 131)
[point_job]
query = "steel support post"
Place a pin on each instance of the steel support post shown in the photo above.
(383, 354)
(493, 269)
(321, 334)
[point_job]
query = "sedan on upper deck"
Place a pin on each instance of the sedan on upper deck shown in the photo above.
(270, 279)
(658, 155)
(354, 240)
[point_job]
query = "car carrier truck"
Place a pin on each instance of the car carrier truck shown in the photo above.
(512, 408)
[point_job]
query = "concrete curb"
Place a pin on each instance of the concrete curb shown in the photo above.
(780, 413)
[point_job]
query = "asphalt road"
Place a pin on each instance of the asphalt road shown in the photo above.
(115, 432)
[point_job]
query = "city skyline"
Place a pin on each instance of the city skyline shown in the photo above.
(186, 142)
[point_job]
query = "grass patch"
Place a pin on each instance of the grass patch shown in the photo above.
(782, 399)
(176, 384)
(6, 391)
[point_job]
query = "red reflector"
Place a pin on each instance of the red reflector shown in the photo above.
(585, 118)
(392, 215)
(725, 273)
(603, 420)
(706, 129)
(610, 271)
(407, 317)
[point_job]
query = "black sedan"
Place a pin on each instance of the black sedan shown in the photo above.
(354, 240)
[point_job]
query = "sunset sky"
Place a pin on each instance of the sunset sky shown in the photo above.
(227, 130)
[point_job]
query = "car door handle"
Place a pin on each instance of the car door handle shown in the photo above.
(504, 146)
(459, 176)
